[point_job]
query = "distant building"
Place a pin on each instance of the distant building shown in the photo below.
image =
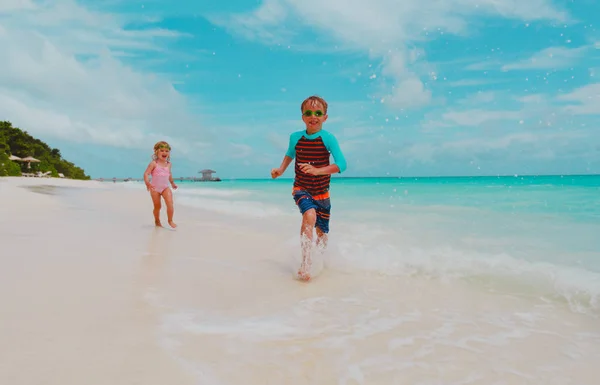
(207, 175)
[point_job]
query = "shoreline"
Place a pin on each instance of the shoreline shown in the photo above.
(399, 177)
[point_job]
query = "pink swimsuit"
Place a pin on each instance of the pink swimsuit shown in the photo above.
(160, 178)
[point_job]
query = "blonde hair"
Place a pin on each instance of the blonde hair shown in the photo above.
(314, 99)
(158, 146)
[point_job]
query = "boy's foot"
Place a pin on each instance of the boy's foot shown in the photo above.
(172, 224)
(304, 271)
(303, 275)
(158, 224)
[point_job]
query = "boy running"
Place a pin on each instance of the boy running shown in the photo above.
(311, 148)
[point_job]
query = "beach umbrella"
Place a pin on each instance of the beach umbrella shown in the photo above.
(15, 158)
(30, 159)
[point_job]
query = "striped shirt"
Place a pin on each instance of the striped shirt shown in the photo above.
(314, 149)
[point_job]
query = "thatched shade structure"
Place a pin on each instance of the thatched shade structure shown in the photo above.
(207, 174)
(30, 159)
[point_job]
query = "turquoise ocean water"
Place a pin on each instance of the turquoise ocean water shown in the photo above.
(427, 281)
(536, 233)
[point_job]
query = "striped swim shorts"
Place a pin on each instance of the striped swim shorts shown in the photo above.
(322, 207)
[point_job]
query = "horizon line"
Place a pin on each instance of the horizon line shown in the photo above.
(387, 177)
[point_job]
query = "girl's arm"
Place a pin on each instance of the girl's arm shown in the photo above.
(148, 172)
(171, 177)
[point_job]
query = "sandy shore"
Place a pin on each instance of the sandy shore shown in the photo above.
(81, 261)
(92, 293)
(70, 312)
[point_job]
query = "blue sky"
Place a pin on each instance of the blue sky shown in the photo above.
(415, 87)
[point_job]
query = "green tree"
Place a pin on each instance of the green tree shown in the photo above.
(19, 143)
(8, 167)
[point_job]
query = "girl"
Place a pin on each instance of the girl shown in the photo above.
(160, 169)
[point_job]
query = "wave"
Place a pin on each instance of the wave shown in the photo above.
(193, 191)
(577, 287)
(244, 208)
(430, 241)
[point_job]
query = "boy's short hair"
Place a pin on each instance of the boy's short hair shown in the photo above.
(314, 99)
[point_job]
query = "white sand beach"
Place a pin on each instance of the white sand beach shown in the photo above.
(92, 293)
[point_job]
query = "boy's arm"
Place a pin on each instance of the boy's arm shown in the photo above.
(338, 157)
(331, 169)
(285, 163)
(290, 153)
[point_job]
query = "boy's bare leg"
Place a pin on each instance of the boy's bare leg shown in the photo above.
(306, 237)
(168, 196)
(156, 201)
(322, 239)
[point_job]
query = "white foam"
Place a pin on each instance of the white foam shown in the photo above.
(212, 192)
(191, 190)
(372, 339)
(445, 242)
(234, 208)
(580, 288)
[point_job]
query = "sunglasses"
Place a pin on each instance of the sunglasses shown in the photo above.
(165, 146)
(317, 113)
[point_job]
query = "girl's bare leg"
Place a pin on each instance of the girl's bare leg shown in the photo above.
(168, 196)
(156, 201)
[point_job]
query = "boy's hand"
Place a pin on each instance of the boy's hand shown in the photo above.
(309, 169)
(276, 172)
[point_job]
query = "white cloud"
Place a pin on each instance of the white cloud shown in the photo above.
(482, 145)
(552, 58)
(382, 28)
(47, 88)
(239, 150)
(479, 97)
(514, 146)
(476, 117)
(471, 82)
(502, 109)
(587, 99)
(258, 25)
(533, 98)
(15, 5)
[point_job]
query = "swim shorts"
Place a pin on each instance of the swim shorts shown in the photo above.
(322, 207)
